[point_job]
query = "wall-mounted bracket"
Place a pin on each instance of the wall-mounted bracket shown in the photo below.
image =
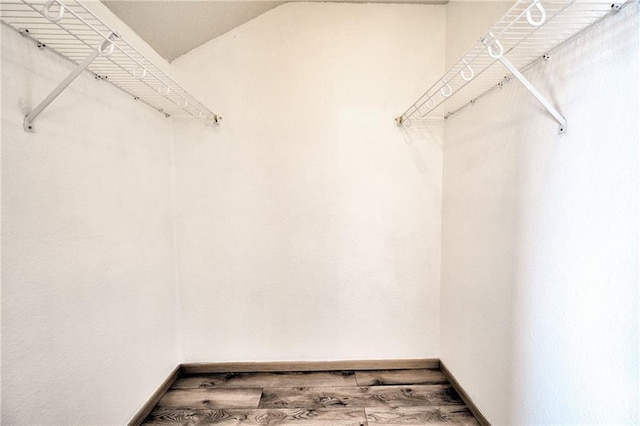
(536, 94)
(496, 51)
(102, 49)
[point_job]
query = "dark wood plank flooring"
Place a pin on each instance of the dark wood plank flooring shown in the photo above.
(345, 398)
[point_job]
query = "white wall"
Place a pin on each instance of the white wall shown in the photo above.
(540, 240)
(88, 287)
(308, 224)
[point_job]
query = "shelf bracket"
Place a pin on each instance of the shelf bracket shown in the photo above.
(543, 101)
(105, 48)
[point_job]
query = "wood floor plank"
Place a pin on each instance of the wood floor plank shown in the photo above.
(210, 398)
(408, 397)
(373, 396)
(301, 416)
(420, 416)
(267, 379)
(400, 377)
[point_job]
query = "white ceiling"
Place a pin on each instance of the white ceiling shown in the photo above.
(174, 27)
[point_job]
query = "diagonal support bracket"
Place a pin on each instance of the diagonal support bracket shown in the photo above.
(543, 101)
(105, 49)
(496, 51)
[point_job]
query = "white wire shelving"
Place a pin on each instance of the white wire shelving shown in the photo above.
(74, 32)
(523, 36)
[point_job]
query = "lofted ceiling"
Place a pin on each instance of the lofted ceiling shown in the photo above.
(174, 27)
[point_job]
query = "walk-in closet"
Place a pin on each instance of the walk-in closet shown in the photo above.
(350, 213)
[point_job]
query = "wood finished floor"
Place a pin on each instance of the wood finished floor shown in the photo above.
(346, 398)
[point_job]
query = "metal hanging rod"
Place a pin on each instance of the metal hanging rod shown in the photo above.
(71, 30)
(524, 35)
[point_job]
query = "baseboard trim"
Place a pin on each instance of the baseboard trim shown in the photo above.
(247, 367)
(465, 396)
(146, 409)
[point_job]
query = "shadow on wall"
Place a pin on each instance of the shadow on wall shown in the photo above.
(427, 132)
(422, 139)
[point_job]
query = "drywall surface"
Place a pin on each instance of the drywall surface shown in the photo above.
(308, 224)
(88, 287)
(540, 240)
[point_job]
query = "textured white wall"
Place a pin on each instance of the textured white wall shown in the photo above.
(540, 240)
(308, 224)
(88, 287)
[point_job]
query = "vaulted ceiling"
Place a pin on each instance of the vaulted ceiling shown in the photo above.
(174, 27)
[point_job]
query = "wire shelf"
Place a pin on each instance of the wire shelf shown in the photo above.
(79, 32)
(524, 35)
